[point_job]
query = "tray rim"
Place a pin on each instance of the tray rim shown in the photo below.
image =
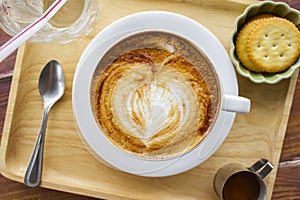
(76, 190)
(9, 113)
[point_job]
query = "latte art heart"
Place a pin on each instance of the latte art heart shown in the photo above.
(154, 106)
(153, 103)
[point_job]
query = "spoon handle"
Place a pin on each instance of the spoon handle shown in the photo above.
(34, 170)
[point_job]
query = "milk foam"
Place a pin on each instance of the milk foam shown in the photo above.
(154, 103)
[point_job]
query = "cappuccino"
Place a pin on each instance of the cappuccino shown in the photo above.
(157, 99)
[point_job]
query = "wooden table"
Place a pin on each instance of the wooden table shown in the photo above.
(287, 185)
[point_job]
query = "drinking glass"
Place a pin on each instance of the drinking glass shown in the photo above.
(74, 19)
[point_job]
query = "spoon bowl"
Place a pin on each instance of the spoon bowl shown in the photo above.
(51, 82)
(51, 87)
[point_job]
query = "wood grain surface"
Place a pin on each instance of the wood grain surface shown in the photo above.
(287, 185)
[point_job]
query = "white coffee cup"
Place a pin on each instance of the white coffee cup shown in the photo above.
(228, 103)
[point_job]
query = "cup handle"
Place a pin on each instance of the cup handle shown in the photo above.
(234, 103)
(266, 166)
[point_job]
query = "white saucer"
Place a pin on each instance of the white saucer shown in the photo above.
(158, 20)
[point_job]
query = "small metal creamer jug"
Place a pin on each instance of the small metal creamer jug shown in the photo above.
(235, 182)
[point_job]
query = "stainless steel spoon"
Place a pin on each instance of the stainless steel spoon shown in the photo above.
(51, 87)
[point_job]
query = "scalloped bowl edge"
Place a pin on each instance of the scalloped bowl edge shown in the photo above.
(264, 7)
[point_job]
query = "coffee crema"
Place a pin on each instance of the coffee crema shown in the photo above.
(153, 103)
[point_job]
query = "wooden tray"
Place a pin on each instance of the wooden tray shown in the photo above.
(68, 166)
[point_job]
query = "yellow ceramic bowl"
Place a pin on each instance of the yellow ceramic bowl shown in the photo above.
(276, 8)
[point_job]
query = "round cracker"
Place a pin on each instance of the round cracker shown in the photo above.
(242, 38)
(274, 45)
